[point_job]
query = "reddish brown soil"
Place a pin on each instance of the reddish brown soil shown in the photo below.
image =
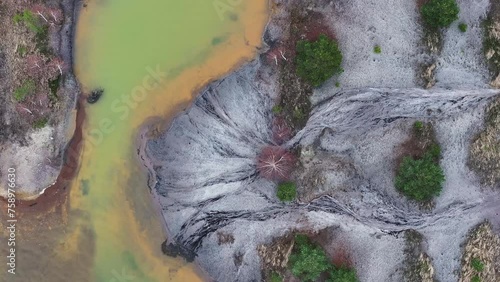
(420, 3)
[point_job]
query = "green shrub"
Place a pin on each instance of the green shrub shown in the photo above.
(343, 274)
(434, 152)
(275, 277)
(462, 27)
(319, 60)
(418, 126)
(420, 179)
(42, 41)
(24, 90)
(475, 279)
(40, 123)
(337, 84)
(308, 261)
(277, 109)
(440, 13)
(377, 49)
(287, 191)
(54, 86)
(29, 20)
(477, 264)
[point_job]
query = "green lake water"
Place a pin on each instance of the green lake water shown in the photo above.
(148, 56)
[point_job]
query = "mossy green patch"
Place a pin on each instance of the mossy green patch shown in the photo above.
(23, 91)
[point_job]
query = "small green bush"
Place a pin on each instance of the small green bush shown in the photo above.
(377, 49)
(277, 109)
(318, 61)
(418, 126)
(24, 90)
(308, 261)
(475, 279)
(440, 13)
(420, 179)
(275, 277)
(337, 84)
(462, 27)
(287, 191)
(477, 264)
(40, 123)
(343, 274)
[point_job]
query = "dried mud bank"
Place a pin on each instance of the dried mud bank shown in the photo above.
(36, 141)
(203, 167)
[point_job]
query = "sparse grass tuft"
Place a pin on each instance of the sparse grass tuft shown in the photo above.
(377, 49)
(22, 50)
(418, 127)
(477, 264)
(277, 109)
(40, 123)
(275, 277)
(27, 88)
(462, 27)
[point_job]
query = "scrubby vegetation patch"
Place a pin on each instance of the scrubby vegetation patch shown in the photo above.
(309, 261)
(484, 155)
(419, 176)
(319, 60)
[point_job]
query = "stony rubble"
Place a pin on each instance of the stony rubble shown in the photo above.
(485, 149)
(484, 245)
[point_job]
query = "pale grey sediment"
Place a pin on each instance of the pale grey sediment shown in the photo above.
(207, 179)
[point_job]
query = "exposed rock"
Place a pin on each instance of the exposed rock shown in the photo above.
(428, 76)
(275, 255)
(433, 41)
(418, 265)
(484, 156)
(496, 82)
(324, 174)
(174, 250)
(225, 238)
(95, 95)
